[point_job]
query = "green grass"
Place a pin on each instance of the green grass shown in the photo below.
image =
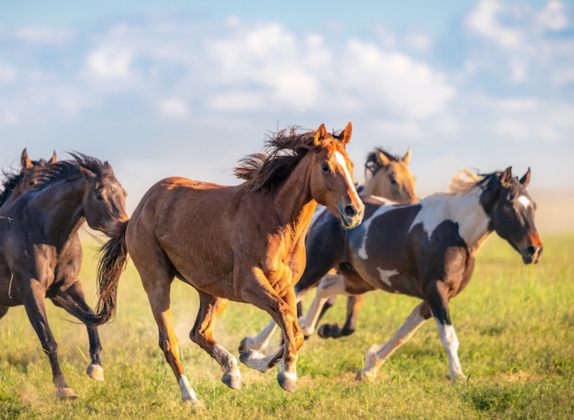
(515, 324)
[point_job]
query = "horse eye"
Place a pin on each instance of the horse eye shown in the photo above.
(325, 166)
(113, 189)
(393, 181)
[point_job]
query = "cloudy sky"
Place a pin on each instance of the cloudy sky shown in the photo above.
(182, 89)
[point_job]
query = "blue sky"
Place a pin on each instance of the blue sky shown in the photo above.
(188, 88)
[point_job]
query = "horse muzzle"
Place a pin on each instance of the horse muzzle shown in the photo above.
(351, 216)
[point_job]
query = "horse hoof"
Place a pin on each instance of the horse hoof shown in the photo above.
(327, 330)
(364, 376)
(96, 372)
(247, 344)
(196, 405)
(459, 378)
(287, 381)
(232, 380)
(66, 393)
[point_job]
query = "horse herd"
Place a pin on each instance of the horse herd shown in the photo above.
(262, 242)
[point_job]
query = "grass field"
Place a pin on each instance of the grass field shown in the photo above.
(515, 324)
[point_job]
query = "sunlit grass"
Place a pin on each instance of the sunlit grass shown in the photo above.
(515, 324)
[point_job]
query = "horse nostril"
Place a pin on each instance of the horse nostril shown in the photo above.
(350, 210)
(531, 250)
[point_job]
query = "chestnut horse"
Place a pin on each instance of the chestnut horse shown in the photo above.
(244, 243)
(427, 250)
(385, 176)
(39, 245)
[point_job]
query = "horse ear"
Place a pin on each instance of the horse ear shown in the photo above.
(347, 133)
(525, 180)
(53, 158)
(382, 158)
(506, 177)
(320, 135)
(407, 157)
(25, 161)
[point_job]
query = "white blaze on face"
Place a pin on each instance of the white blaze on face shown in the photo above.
(525, 201)
(343, 164)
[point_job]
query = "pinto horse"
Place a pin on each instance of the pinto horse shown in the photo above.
(427, 250)
(244, 243)
(385, 176)
(40, 253)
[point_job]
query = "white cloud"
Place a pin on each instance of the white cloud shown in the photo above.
(8, 118)
(553, 16)
(42, 35)
(406, 87)
(419, 42)
(110, 64)
(173, 107)
(7, 74)
(483, 20)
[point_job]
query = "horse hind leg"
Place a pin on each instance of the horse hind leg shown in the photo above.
(157, 277)
(202, 334)
(73, 301)
(354, 302)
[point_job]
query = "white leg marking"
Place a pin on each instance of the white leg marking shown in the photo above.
(331, 285)
(376, 355)
(450, 343)
(385, 275)
(187, 392)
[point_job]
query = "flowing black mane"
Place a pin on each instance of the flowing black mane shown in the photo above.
(11, 180)
(282, 152)
(71, 169)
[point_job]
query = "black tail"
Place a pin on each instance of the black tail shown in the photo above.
(112, 263)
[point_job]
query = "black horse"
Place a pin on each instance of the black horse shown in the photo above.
(40, 253)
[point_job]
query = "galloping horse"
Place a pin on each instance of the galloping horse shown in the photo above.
(40, 253)
(427, 250)
(385, 176)
(69, 259)
(244, 243)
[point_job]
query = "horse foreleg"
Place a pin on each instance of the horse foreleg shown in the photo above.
(283, 310)
(33, 299)
(72, 300)
(376, 355)
(331, 285)
(438, 302)
(202, 334)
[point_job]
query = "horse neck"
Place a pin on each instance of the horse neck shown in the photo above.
(293, 202)
(61, 206)
(471, 217)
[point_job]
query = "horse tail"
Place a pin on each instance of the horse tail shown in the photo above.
(114, 256)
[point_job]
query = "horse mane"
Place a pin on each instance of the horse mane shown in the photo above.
(467, 179)
(11, 180)
(372, 163)
(71, 169)
(283, 150)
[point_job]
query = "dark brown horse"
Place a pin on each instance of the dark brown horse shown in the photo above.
(244, 243)
(40, 253)
(69, 259)
(385, 176)
(427, 250)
